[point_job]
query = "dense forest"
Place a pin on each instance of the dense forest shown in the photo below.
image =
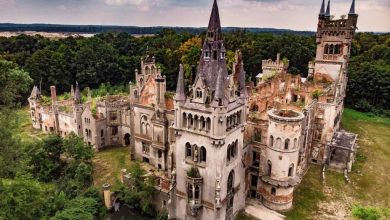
(112, 58)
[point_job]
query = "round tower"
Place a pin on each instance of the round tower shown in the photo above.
(279, 179)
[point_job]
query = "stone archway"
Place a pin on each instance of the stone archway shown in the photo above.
(127, 139)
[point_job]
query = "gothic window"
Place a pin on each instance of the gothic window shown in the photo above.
(326, 50)
(291, 170)
(257, 135)
(295, 143)
(331, 49)
(203, 154)
(271, 141)
(135, 94)
(215, 55)
(145, 148)
(197, 193)
(228, 152)
(159, 153)
(141, 82)
(207, 55)
(191, 120)
(230, 182)
(273, 191)
(101, 133)
(269, 168)
(184, 120)
(153, 70)
(189, 192)
(208, 122)
(286, 144)
(144, 125)
(188, 150)
(198, 93)
(203, 121)
(86, 133)
(196, 122)
(114, 130)
(147, 71)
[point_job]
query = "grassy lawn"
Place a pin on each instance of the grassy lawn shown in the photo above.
(370, 182)
(107, 165)
(26, 131)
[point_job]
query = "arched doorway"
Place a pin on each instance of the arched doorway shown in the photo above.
(127, 139)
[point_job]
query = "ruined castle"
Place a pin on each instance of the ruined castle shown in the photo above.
(221, 141)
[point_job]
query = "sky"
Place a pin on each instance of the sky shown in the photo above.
(374, 15)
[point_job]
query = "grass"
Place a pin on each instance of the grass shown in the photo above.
(370, 182)
(107, 165)
(26, 131)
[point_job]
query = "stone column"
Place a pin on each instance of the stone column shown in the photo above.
(107, 195)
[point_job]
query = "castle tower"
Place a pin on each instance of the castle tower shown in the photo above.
(209, 125)
(35, 105)
(334, 40)
(78, 110)
(284, 135)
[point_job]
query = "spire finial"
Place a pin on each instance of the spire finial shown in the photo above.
(327, 13)
(214, 28)
(180, 92)
(352, 10)
(322, 11)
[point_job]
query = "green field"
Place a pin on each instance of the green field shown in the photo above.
(370, 182)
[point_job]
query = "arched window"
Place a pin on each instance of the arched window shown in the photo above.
(191, 120)
(286, 144)
(198, 93)
(189, 192)
(269, 168)
(141, 82)
(203, 154)
(147, 71)
(295, 143)
(197, 192)
(196, 122)
(337, 49)
(208, 123)
(228, 152)
(230, 182)
(273, 191)
(153, 70)
(188, 150)
(331, 49)
(291, 170)
(159, 153)
(184, 120)
(203, 123)
(271, 141)
(326, 50)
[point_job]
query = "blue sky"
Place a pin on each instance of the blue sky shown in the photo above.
(374, 15)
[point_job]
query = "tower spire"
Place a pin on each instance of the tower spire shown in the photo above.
(327, 14)
(214, 28)
(352, 10)
(322, 11)
(77, 95)
(180, 93)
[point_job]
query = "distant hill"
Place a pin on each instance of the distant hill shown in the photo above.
(131, 29)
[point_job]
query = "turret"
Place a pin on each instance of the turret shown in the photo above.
(77, 96)
(180, 89)
(322, 11)
(327, 13)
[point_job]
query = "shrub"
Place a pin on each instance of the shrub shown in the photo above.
(365, 213)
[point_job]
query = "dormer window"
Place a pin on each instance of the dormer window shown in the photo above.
(198, 94)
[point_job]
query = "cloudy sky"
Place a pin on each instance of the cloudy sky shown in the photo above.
(374, 15)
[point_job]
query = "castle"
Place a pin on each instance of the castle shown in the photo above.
(221, 141)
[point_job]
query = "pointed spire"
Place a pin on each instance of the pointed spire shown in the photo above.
(322, 11)
(214, 28)
(219, 90)
(327, 13)
(77, 96)
(180, 92)
(352, 10)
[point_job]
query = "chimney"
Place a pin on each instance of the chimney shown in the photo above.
(53, 92)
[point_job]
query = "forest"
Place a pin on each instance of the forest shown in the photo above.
(112, 59)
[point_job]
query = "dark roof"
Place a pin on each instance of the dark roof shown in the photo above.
(322, 11)
(215, 22)
(180, 89)
(352, 9)
(327, 14)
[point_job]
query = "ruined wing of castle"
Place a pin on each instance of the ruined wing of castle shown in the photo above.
(220, 142)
